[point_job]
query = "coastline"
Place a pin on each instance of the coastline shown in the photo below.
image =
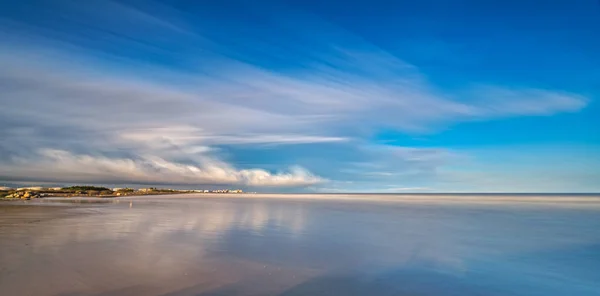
(27, 193)
(576, 200)
(70, 196)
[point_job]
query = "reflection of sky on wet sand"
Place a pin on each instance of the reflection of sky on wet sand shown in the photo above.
(257, 246)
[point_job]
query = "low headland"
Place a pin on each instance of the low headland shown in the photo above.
(94, 191)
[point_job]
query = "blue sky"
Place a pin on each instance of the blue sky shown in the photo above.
(303, 96)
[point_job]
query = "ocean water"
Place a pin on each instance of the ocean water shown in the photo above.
(302, 245)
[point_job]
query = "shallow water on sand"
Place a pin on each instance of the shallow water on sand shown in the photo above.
(299, 246)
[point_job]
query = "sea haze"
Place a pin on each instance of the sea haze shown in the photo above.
(302, 245)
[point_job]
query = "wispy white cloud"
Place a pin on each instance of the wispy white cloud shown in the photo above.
(506, 102)
(185, 135)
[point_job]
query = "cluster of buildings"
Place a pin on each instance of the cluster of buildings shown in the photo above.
(152, 189)
(219, 191)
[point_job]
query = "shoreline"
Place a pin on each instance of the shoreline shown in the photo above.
(577, 200)
(593, 200)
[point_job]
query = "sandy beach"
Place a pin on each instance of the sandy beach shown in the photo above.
(300, 245)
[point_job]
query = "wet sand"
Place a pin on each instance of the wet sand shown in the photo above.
(301, 245)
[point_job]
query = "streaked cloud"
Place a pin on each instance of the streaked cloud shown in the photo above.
(188, 135)
(59, 165)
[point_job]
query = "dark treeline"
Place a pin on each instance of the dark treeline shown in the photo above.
(86, 188)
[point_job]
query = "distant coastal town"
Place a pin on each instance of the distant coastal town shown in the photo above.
(96, 191)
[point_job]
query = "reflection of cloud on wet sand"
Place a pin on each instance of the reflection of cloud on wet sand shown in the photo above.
(278, 246)
(143, 244)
